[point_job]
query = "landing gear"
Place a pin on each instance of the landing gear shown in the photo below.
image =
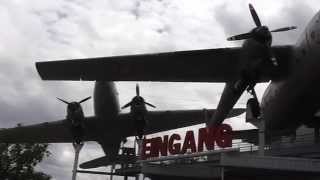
(140, 124)
(139, 142)
(253, 107)
(78, 133)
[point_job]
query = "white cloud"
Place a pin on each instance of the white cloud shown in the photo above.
(49, 30)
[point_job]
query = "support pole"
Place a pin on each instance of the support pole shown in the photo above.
(112, 168)
(261, 136)
(140, 142)
(77, 147)
(222, 173)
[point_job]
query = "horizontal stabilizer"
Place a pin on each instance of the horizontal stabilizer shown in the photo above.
(106, 161)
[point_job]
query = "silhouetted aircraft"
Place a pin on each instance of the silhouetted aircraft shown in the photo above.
(291, 99)
(108, 127)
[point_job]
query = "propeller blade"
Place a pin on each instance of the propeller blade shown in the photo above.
(254, 16)
(127, 105)
(63, 100)
(85, 99)
(137, 90)
(240, 37)
(285, 29)
(150, 104)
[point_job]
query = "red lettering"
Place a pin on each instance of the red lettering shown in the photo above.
(164, 146)
(155, 146)
(146, 148)
(224, 132)
(206, 137)
(174, 148)
(189, 143)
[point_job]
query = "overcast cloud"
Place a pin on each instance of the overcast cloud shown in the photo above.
(40, 30)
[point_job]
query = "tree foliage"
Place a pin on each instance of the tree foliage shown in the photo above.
(17, 161)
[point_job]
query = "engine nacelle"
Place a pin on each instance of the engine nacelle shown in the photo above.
(138, 111)
(76, 118)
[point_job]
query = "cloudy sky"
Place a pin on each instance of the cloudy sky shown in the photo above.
(41, 30)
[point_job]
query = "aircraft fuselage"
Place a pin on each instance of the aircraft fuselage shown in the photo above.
(293, 100)
(106, 108)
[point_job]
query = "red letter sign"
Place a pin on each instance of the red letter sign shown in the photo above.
(174, 148)
(189, 143)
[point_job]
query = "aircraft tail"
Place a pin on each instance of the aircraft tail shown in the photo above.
(106, 161)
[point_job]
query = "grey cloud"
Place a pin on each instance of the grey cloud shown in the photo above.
(295, 14)
(45, 30)
(233, 22)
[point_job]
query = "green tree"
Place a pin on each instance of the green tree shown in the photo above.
(17, 161)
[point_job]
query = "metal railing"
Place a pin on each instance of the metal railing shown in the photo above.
(280, 143)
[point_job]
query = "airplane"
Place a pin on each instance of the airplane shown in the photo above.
(290, 100)
(109, 127)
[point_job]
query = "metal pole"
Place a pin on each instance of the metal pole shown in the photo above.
(77, 147)
(261, 137)
(222, 173)
(112, 168)
(139, 142)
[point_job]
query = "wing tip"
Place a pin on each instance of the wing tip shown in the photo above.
(85, 166)
(40, 70)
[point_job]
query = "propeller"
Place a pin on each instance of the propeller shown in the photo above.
(137, 100)
(259, 30)
(137, 90)
(284, 29)
(66, 102)
(261, 34)
(74, 105)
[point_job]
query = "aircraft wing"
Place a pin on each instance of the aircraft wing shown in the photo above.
(158, 121)
(208, 65)
(48, 132)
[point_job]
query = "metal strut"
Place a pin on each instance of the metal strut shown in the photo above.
(251, 90)
(77, 148)
(261, 125)
(140, 149)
